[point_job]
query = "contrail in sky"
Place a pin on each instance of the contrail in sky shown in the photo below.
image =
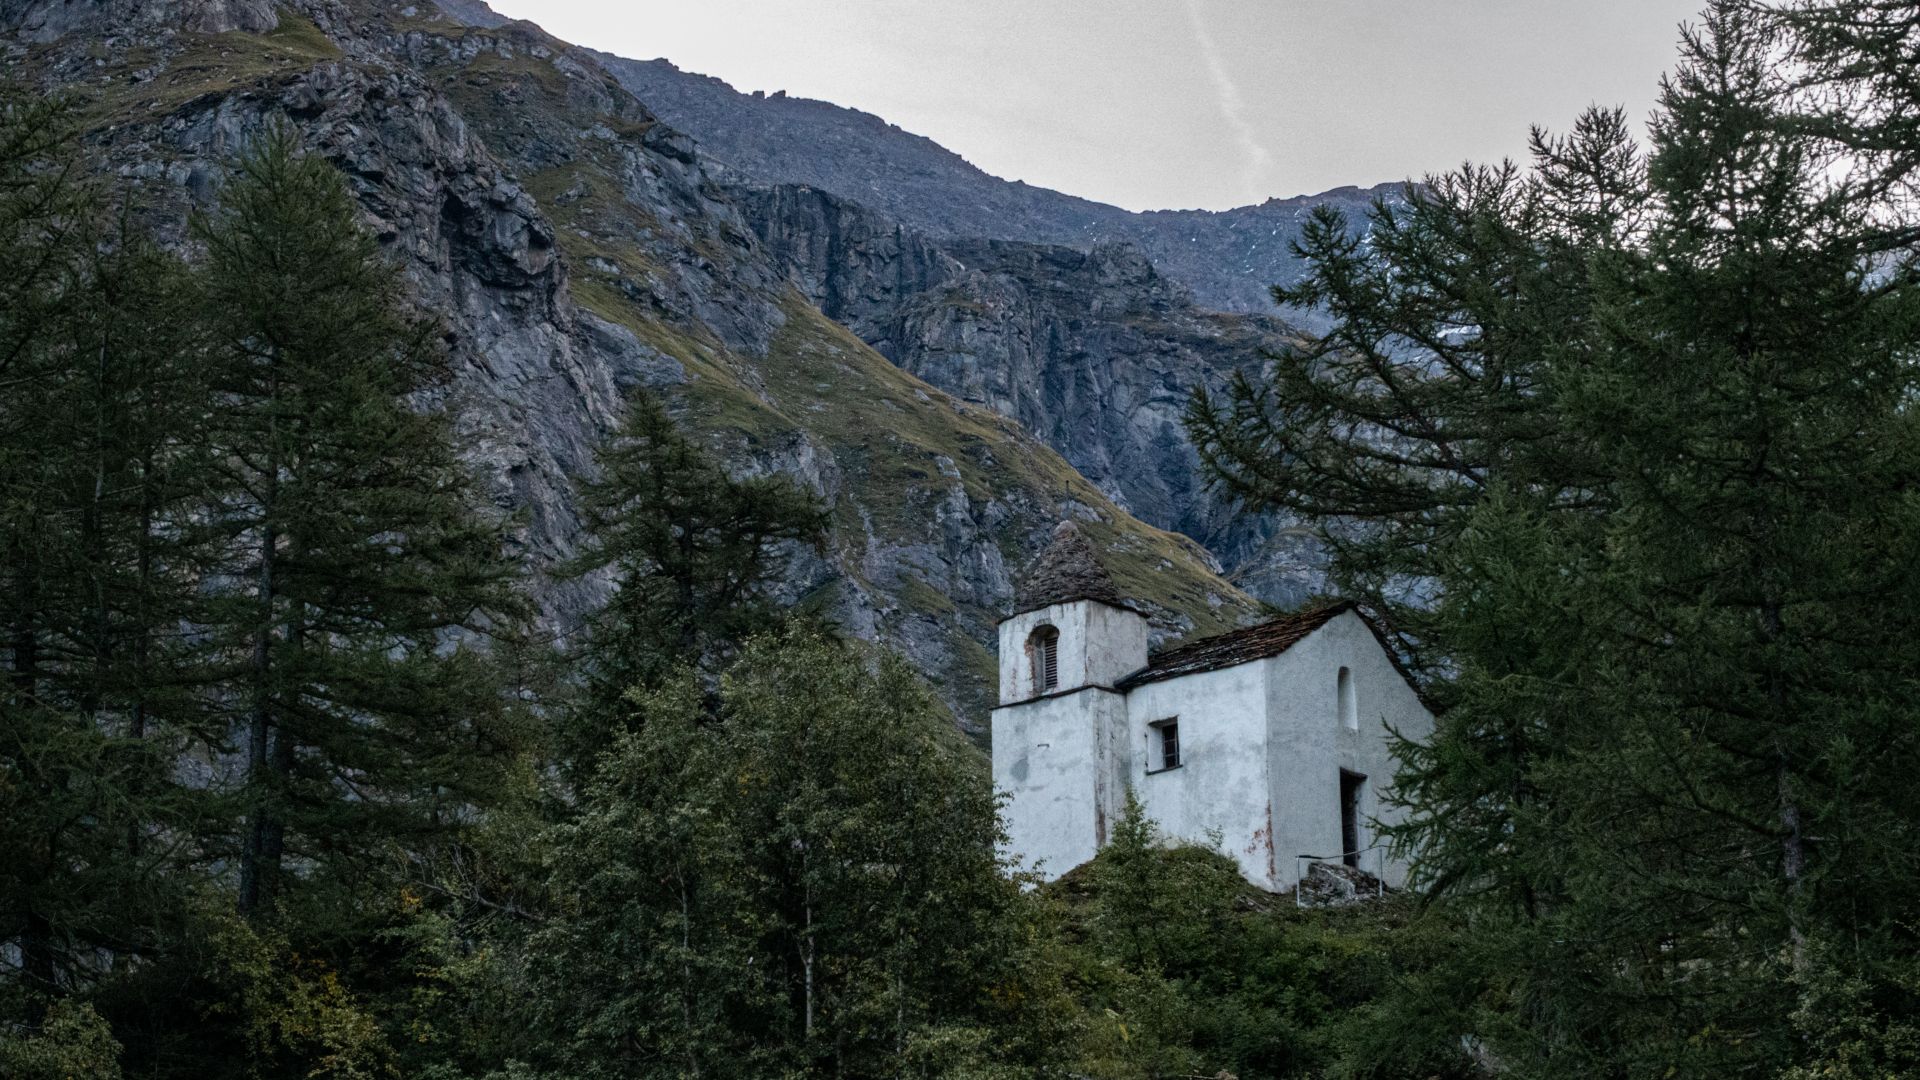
(1233, 108)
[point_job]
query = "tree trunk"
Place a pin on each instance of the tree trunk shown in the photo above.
(806, 947)
(25, 642)
(1793, 841)
(94, 543)
(261, 845)
(36, 937)
(142, 643)
(686, 976)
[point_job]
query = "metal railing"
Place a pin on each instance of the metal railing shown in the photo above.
(1379, 869)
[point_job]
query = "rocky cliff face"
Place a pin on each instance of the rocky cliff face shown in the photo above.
(1228, 258)
(576, 246)
(1094, 351)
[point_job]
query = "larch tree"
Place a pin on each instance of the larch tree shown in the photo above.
(43, 211)
(360, 574)
(97, 466)
(693, 553)
(1624, 446)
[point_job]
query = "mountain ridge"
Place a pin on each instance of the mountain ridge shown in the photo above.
(577, 247)
(1093, 351)
(958, 277)
(1229, 258)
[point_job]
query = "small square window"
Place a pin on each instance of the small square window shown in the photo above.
(1163, 743)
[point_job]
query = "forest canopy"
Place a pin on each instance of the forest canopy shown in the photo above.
(1618, 444)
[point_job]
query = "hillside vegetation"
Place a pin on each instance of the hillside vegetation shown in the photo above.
(468, 611)
(576, 247)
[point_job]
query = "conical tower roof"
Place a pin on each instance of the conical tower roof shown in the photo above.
(1069, 569)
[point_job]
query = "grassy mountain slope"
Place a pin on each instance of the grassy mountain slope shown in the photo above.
(575, 246)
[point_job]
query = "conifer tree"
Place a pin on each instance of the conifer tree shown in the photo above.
(1849, 69)
(692, 551)
(359, 573)
(47, 203)
(1433, 401)
(804, 883)
(96, 830)
(40, 199)
(1747, 633)
(1660, 576)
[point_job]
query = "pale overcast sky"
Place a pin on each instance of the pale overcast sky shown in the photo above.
(1171, 103)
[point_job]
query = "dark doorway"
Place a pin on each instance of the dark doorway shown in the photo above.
(1351, 786)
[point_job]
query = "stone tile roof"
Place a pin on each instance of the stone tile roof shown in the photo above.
(1270, 638)
(1069, 569)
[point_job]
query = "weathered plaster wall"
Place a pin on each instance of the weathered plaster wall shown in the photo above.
(1117, 643)
(1309, 744)
(1221, 784)
(1262, 745)
(1099, 646)
(1062, 763)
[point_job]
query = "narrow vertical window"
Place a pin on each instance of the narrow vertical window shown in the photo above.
(1349, 709)
(1044, 647)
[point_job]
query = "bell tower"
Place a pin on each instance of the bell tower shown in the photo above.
(1060, 746)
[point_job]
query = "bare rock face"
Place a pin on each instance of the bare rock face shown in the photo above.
(43, 21)
(1093, 351)
(575, 247)
(1228, 258)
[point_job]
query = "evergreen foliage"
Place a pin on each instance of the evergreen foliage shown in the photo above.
(101, 382)
(1187, 970)
(1621, 444)
(803, 883)
(692, 553)
(692, 549)
(1624, 445)
(358, 570)
(149, 405)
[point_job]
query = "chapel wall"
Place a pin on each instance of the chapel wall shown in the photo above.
(1310, 743)
(1221, 784)
(1062, 768)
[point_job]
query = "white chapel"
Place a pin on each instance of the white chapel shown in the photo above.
(1271, 741)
